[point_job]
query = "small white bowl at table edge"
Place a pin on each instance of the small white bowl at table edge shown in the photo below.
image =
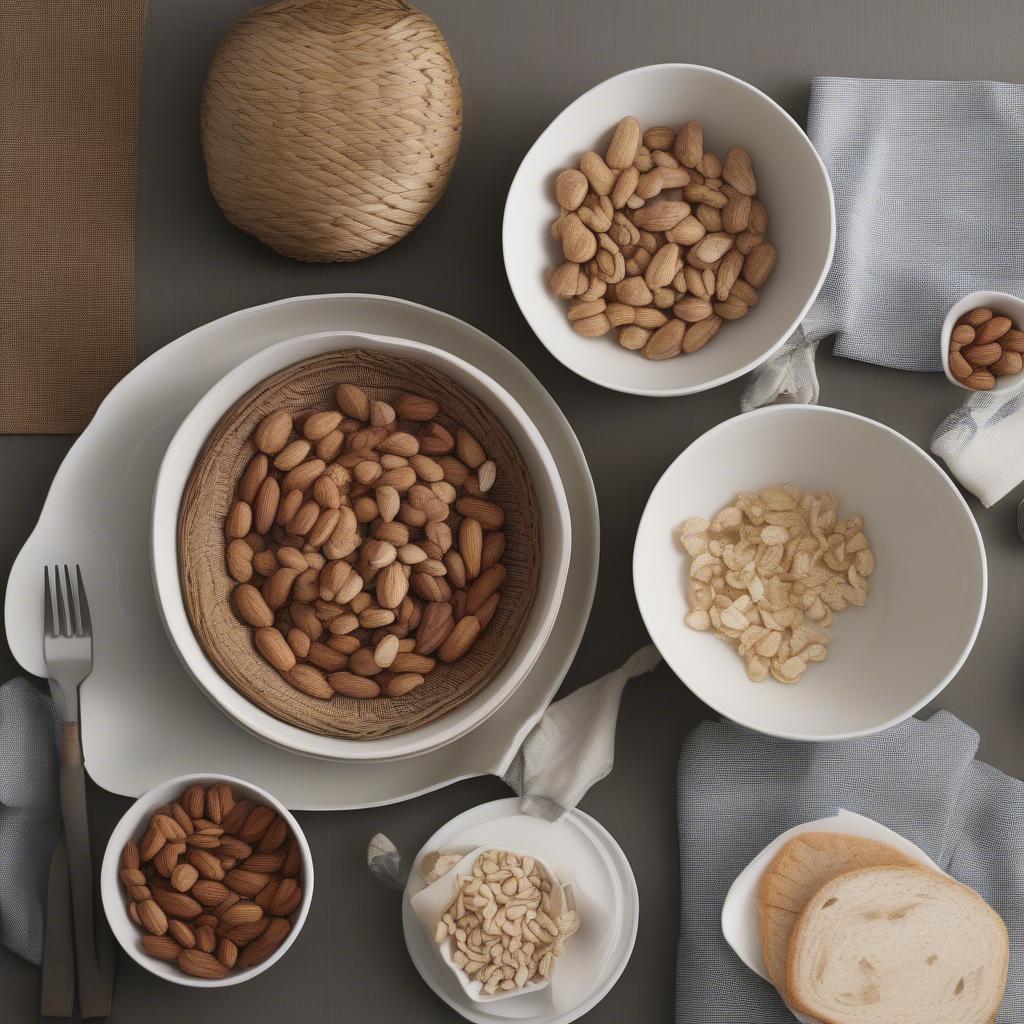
(1001, 303)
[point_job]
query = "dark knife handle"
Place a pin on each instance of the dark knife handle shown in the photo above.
(57, 998)
(94, 990)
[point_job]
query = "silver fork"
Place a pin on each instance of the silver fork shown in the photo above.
(67, 643)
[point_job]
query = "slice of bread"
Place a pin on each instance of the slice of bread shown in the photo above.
(897, 945)
(800, 868)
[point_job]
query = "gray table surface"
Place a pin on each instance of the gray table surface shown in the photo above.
(521, 62)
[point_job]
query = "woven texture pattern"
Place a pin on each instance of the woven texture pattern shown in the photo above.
(69, 89)
(738, 790)
(207, 587)
(330, 127)
(929, 189)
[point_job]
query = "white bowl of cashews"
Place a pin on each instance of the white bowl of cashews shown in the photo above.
(887, 658)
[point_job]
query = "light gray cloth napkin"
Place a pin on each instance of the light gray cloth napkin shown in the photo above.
(929, 189)
(29, 813)
(738, 790)
(567, 751)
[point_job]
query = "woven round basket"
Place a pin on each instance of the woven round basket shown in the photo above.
(207, 587)
(330, 127)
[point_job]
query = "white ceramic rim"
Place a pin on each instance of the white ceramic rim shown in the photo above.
(957, 310)
(609, 850)
(732, 374)
(114, 903)
(784, 410)
(239, 708)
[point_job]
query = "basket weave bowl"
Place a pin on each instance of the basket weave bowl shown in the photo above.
(207, 587)
(330, 127)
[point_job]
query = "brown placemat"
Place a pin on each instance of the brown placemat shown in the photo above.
(69, 91)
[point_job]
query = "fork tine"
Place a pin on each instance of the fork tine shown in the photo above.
(84, 618)
(48, 602)
(62, 620)
(74, 619)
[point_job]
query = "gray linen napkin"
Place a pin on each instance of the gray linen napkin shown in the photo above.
(29, 813)
(738, 790)
(929, 189)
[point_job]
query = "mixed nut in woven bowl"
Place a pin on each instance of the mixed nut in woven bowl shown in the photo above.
(360, 544)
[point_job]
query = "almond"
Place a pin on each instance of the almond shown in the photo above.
(259, 949)
(571, 188)
(272, 433)
(666, 341)
(163, 947)
(251, 607)
(177, 904)
(201, 965)
(1013, 340)
(599, 174)
(320, 424)
(980, 354)
(292, 454)
(417, 407)
(468, 449)
(624, 144)
(699, 334)
(151, 843)
(348, 684)
(981, 380)
(662, 267)
(206, 864)
(193, 800)
(1008, 364)
(400, 685)
(286, 899)
(151, 916)
(227, 952)
(661, 216)
(210, 892)
(485, 585)
(245, 883)
(736, 213)
(692, 309)
(391, 586)
(183, 877)
(689, 144)
(460, 639)
(310, 681)
(489, 515)
(265, 505)
(738, 171)
(352, 401)
(436, 623)
(758, 264)
(239, 520)
(182, 933)
(243, 912)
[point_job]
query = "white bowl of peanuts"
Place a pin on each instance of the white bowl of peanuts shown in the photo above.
(861, 589)
(206, 880)
(551, 570)
(668, 230)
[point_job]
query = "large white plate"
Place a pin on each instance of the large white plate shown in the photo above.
(606, 897)
(143, 719)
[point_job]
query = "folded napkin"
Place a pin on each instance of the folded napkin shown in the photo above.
(567, 751)
(929, 189)
(30, 819)
(739, 790)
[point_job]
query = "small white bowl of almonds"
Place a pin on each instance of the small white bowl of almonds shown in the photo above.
(810, 573)
(206, 880)
(982, 342)
(668, 231)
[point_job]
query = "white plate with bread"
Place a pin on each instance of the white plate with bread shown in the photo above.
(845, 917)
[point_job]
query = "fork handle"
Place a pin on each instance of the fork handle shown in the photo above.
(94, 990)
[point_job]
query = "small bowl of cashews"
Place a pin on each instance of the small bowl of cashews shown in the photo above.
(810, 573)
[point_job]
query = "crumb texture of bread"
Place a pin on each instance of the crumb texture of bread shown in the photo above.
(897, 945)
(800, 868)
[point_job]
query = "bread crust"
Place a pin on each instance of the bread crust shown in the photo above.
(796, 872)
(798, 998)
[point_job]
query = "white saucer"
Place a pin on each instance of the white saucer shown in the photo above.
(143, 719)
(739, 911)
(606, 899)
